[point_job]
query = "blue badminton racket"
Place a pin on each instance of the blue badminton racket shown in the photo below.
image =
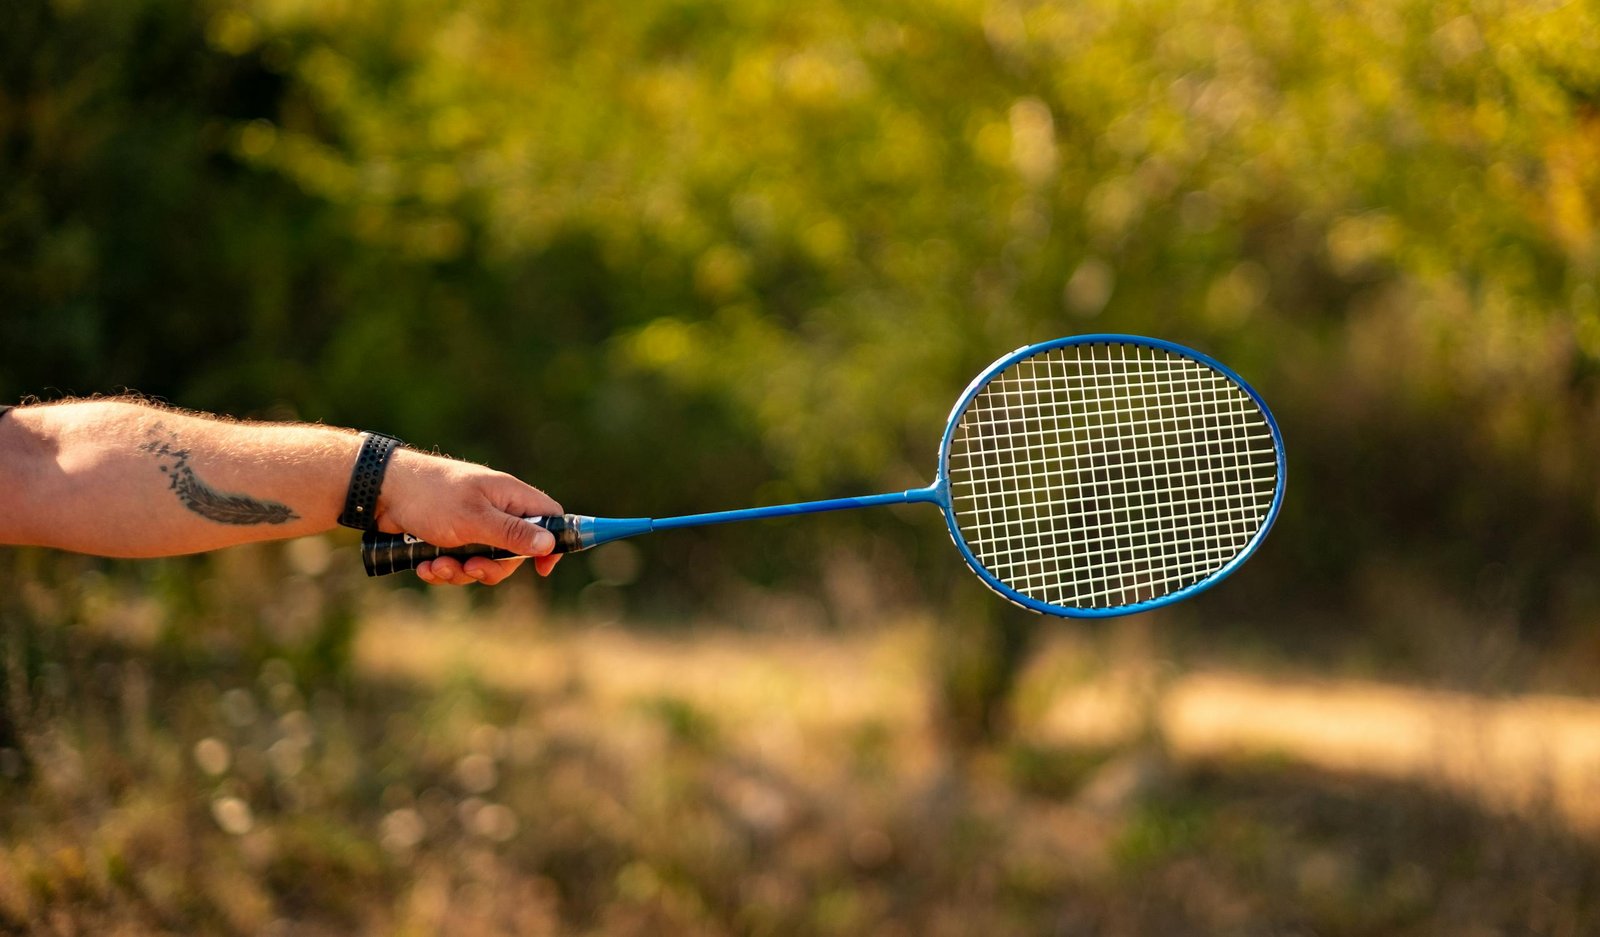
(1088, 476)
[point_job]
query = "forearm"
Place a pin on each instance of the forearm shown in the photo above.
(123, 479)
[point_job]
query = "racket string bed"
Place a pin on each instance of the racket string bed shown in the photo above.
(1105, 482)
(1104, 475)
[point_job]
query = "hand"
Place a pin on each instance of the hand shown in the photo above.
(451, 503)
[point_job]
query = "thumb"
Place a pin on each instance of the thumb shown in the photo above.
(511, 532)
(507, 502)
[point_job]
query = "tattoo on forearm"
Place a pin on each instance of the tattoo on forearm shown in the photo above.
(199, 497)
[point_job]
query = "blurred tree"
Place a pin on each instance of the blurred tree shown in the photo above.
(978, 654)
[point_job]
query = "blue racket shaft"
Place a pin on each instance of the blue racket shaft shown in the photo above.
(383, 554)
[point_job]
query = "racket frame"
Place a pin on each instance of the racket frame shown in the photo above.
(941, 484)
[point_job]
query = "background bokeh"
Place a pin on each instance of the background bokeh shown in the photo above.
(680, 255)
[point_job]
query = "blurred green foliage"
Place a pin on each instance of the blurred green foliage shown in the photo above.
(693, 253)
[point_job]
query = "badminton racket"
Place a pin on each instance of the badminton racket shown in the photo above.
(1087, 476)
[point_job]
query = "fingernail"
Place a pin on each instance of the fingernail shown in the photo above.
(476, 574)
(543, 542)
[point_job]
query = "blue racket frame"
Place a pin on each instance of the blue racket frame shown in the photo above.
(941, 485)
(580, 532)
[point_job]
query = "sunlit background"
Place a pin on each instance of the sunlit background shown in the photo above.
(681, 255)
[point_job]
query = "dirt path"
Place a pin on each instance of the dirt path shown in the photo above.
(1523, 753)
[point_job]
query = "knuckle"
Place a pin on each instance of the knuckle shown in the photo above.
(518, 534)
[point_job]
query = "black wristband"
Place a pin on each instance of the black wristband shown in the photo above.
(366, 480)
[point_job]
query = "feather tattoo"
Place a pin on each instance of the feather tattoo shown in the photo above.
(204, 500)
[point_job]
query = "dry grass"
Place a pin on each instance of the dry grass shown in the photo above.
(476, 772)
(1526, 754)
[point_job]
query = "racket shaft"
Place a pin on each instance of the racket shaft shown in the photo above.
(930, 494)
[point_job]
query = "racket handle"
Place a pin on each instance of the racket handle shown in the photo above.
(383, 554)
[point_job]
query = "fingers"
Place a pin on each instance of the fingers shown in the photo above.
(439, 572)
(447, 571)
(489, 572)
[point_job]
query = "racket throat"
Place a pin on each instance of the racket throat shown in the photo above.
(574, 532)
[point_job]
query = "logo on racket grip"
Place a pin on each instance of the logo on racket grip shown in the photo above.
(410, 539)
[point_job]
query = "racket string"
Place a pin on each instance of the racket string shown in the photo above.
(1087, 477)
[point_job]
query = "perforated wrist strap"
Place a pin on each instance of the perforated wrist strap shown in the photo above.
(366, 480)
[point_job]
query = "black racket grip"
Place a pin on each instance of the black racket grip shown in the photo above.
(383, 554)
